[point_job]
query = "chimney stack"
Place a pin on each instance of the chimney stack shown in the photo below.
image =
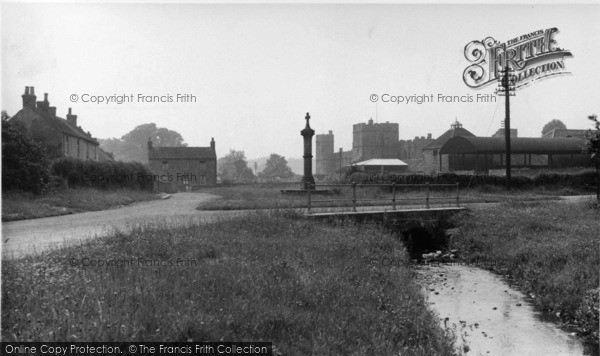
(72, 119)
(429, 136)
(52, 111)
(330, 132)
(29, 98)
(43, 105)
(212, 144)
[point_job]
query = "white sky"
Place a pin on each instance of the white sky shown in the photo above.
(257, 69)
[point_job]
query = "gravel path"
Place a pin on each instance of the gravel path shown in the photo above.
(25, 237)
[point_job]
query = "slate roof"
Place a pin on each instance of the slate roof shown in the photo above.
(566, 133)
(382, 162)
(453, 132)
(181, 153)
(58, 123)
(523, 145)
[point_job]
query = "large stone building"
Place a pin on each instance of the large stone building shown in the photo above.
(369, 141)
(184, 168)
(413, 149)
(374, 140)
(62, 137)
(456, 150)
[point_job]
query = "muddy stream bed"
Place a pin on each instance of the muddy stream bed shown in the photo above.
(489, 317)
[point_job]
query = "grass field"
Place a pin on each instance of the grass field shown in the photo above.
(20, 206)
(265, 196)
(549, 250)
(263, 276)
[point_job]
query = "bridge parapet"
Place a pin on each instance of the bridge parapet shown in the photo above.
(382, 196)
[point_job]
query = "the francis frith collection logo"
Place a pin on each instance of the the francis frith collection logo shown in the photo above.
(531, 57)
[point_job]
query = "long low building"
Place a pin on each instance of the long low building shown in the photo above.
(470, 153)
(380, 165)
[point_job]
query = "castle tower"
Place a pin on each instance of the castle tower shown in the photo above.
(374, 140)
(324, 153)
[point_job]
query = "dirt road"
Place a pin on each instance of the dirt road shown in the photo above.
(20, 238)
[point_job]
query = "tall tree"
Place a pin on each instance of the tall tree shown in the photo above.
(276, 168)
(133, 145)
(234, 168)
(592, 147)
(553, 124)
(24, 161)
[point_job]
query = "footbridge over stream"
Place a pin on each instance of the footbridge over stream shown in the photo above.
(383, 202)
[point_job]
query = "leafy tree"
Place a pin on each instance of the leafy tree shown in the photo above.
(24, 161)
(592, 147)
(276, 167)
(554, 124)
(133, 145)
(234, 168)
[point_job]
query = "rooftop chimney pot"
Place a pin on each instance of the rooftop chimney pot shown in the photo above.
(28, 98)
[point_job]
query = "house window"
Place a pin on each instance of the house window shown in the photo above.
(87, 151)
(78, 148)
(435, 153)
(165, 164)
(202, 165)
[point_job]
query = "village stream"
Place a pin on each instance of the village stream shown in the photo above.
(489, 317)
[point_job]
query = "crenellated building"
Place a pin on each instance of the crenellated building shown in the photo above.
(456, 150)
(369, 141)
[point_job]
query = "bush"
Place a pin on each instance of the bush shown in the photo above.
(24, 162)
(103, 175)
(548, 180)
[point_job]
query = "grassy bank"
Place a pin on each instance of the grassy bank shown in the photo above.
(307, 287)
(264, 196)
(549, 249)
(20, 206)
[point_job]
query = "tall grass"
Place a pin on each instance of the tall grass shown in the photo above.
(549, 249)
(19, 206)
(262, 276)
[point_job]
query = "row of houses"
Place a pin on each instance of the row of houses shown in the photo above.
(184, 168)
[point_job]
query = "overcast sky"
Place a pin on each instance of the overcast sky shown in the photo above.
(257, 69)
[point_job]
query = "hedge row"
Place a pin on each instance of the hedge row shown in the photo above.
(584, 179)
(104, 175)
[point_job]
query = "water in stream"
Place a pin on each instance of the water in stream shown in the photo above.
(490, 318)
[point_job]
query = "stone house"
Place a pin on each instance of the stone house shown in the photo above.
(184, 168)
(62, 137)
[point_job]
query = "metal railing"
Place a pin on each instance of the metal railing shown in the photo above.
(394, 191)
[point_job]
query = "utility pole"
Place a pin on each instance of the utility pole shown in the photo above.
(341, 165)
(507, 90)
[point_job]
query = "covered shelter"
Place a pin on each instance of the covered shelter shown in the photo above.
(380, 165)
(484, 153)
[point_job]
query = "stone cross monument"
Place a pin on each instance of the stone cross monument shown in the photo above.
(307, 133)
